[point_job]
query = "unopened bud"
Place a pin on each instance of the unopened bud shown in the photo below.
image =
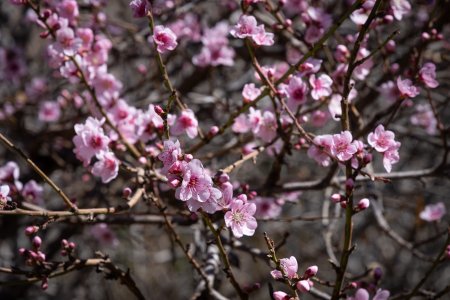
(143, 160)
(303, 286)
(363, 204)
(159, 110)
(44, 284)
(224, 178)
(425, 36)
(311, 271)
(188, 157)
(126, 192)
(174, 183)
(37, 242)
(349, 184)
(31, 230)
(336, 198)
(213, 130)
(343, 204)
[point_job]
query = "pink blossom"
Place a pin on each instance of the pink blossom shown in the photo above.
(342, 146)
(391, 156)
(263, 38)
(381, 139)
(250, 92)
(363, 204)
(334, 106)
(140, 8)
(10, 173)
(289, 267)
(4, 198)
(210, 206)
(255, 119)
(170, 154)
(33, 192)
(246, 27)
(359, 16)
(433, 212)
(102, 233)
(296, 92)
(196, 183)
(240, 218)
(267, 129)
(164, 38)
(186, 122)
(389, 91)
(241, 124)
(321, 86)
(90, 139)
(428, 75)
(322, 146)
(361, 294)
(319, 118)
(148, 122)
(49, 111)
(381, 295)
(400, 8)
(107, 166)
(424, 117)
(406, 88)
(66, 42)
(68, 9)
(267, 208)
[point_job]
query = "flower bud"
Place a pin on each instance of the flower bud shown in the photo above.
(174, 183)
(159, 110)
(349, 184)
(425, 36)
(311, 271)
(31, 230)
(224, 178)
(213, 130)
(126, 192)
(143, 160)
(37, 242)
(343, 204)
(363, 204)
(303, 286)
(336, 198)
(279, 295)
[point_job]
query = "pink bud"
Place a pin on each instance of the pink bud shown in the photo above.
(303, 286)
(37, 242)
(22, 251)
(363, 203)
(367, 158)
(279, 295)
(252, 194)
(224, 178)
(44, 284)
(353, 285)
(143, 160)
(311, 271)
(213, 130)
(40, 256)
(288, 23)
(31, 230)
(439, 36)
(336, 198)
(425, 36)
(390, 46)
(349, 184)
(388, 19)
(126, 192)
(188, 157)
(159, 110)
(343, 204)
(72, 245)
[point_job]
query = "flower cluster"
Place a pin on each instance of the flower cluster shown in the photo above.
(196, 187)
(247, 27)
(383, 141)
(288, 270)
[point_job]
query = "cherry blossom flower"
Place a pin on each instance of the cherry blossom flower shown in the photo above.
(68, 9)
(296, 92)
(267, 129)
(186, 122)
(107, 166)
(49, 111)
(164, 38)
(148, 122)
(363, 294)
(90, 139)
(102, 232)
(246, 27)
(304, 286)
(67, 42)
(240, 218)
(433, 212)
(33, 192)
(196, 183)
(322, 146)
(289, 267)
(210, 206)
(140, 8)
(263, 38)
(250, 92)
(381, 139)
(389, 91)
(10, 173)
(4, 198)
(267, 207)
(400, 8)
(391, 156)
(342, 146)
(424, 117)
(428, 75)
(406, 88)
(241, 124)
(170, 154)
(321, 86)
